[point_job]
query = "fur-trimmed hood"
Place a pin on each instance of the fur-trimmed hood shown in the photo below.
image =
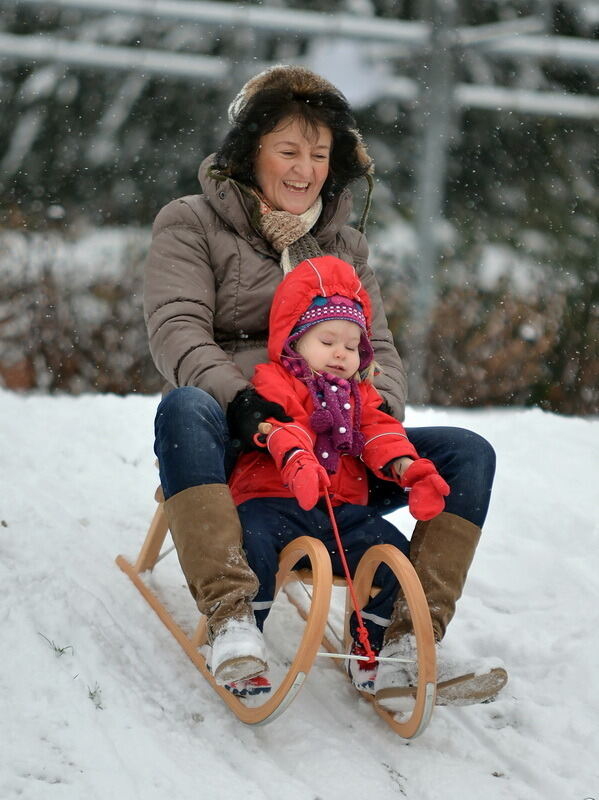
(297, 82)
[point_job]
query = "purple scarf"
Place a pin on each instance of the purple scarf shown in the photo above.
(337, 429)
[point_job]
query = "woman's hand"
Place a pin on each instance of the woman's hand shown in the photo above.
(426, 488)
(245, 413)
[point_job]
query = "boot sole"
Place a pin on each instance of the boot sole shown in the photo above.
(240, 668)
(464, 690)
(468, 689)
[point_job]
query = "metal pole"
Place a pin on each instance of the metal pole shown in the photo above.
(434, 126)
(251, 15)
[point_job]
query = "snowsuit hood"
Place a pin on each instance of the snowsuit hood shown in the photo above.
(322, 276)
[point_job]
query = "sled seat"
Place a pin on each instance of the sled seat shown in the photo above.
(319, 576)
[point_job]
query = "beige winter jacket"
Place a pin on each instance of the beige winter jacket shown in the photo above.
(209, 281)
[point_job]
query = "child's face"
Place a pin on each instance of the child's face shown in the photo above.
(332, 346)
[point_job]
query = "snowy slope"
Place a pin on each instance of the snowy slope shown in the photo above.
(119, 711)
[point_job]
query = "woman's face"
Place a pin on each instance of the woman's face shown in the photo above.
(291, 169)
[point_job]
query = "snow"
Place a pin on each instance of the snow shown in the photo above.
(346, 65)
(92, 256)
(500, 261)
(116, 709)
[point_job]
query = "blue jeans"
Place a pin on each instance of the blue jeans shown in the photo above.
(269, 523)
(193, 448)
(463, 458)
(192, 442)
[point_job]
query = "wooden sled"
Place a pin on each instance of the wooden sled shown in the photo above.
(320, 577)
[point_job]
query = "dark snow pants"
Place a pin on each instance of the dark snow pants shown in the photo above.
(272, 522)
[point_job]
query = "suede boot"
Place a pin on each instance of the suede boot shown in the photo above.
(207, 534)
(441, 551)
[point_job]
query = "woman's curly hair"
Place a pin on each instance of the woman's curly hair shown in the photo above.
(262, 112)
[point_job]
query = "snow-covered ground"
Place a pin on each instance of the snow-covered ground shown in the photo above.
(98, 701)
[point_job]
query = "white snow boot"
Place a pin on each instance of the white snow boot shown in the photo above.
(394, 685)
(238, 652)
(362, 673)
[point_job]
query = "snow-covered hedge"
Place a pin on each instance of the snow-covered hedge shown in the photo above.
(505, 334)
(71, 312)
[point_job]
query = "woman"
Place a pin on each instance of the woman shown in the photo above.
(277, 188)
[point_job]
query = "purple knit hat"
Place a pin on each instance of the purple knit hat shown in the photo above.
(335, 307)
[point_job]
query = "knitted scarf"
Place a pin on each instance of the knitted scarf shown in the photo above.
(337, 429)
(283, 229)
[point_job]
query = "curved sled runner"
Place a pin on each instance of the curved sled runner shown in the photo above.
(321, 579)
(416, 722)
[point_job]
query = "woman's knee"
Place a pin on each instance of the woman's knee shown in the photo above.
(181, 405)
(485, 453)
(191, 440)
(190, 417)
(460, 451)
(471, 477)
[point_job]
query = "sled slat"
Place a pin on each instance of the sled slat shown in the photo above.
(148, 555)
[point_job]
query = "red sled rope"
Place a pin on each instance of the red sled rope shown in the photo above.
(361, 629)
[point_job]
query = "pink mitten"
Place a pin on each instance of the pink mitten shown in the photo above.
(305, 477)
(427, 489)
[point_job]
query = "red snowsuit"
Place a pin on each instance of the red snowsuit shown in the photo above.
(256, 474)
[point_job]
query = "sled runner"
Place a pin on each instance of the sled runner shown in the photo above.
(319, 576)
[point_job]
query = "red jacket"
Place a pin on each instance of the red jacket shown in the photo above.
(256, 474)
